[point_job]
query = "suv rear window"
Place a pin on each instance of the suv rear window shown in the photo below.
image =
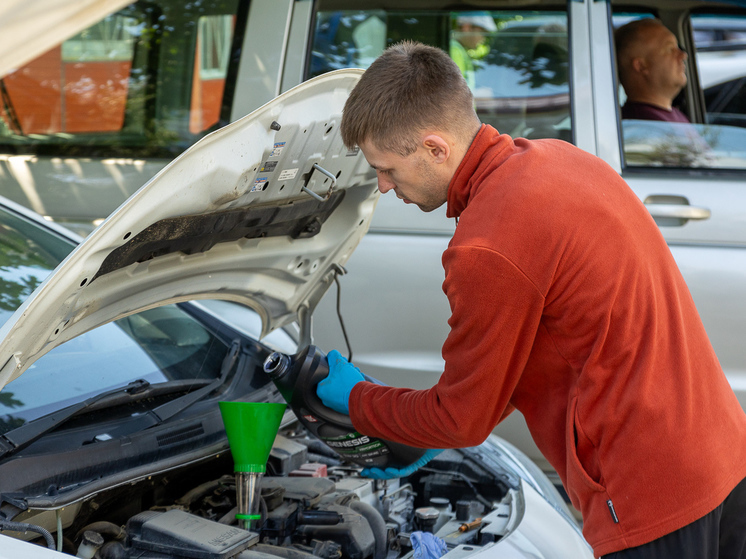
(516, 62)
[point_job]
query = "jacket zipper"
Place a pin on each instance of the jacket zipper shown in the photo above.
(612, 511)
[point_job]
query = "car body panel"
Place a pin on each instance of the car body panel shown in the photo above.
(184, 234)
(523, 541)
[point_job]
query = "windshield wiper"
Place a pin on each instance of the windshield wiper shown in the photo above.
(19, 438)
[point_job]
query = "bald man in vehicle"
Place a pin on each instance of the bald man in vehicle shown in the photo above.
(652, 70)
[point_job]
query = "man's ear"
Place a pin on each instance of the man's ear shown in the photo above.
(437, 147)
(639, 64)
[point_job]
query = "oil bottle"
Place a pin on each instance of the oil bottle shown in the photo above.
(296, 378)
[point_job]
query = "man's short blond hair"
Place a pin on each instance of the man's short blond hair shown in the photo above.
(411, 87)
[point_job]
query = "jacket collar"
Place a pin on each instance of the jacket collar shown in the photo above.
(467, 176)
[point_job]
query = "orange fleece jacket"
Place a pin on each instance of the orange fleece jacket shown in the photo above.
(568, 306)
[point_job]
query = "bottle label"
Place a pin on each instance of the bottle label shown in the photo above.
(356, 445)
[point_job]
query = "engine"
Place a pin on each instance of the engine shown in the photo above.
(312, 505)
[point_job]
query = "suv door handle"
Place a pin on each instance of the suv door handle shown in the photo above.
(678, 211)
(671, 210)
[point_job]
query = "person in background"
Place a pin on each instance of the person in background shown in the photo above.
(468, 42)
(652, 70)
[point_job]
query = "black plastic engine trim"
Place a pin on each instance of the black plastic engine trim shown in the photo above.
(192, 234)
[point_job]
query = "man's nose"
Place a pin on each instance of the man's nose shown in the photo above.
(384, 184)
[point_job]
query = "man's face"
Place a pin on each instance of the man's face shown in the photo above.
(415, 179)
(470, 35)
(666, 61)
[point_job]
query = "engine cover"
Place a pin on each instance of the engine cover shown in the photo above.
(176, 534)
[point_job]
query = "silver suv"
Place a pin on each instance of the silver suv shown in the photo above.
(86, 124)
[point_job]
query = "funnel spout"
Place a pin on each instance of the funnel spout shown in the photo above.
(247, 496)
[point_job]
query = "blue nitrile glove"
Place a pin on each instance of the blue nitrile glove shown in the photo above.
(335, 389)
(427, 546)
(391, 473)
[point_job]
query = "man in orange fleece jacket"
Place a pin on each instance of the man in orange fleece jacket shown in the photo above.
(566, 305)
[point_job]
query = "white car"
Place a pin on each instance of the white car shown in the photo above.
(115, 352)
(86, 124)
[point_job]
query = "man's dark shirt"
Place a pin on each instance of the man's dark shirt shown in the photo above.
(645, 111)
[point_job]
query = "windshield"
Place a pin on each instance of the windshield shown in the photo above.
(156, 345)
(27, 254)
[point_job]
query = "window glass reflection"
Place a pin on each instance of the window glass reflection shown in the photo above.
(515, 62)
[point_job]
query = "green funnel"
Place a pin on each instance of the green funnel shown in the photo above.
(251, 428)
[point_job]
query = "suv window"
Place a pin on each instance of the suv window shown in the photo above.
(719, 140)
(516, 62)
(146, 81)
(721, 62)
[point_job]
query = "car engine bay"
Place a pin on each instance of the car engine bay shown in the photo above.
(312, 504)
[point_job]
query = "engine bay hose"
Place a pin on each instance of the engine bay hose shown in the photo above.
(319, 517)
(377, 525)
(23, 527)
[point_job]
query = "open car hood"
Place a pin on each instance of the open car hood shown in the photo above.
(32, 27)
(262, 212)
